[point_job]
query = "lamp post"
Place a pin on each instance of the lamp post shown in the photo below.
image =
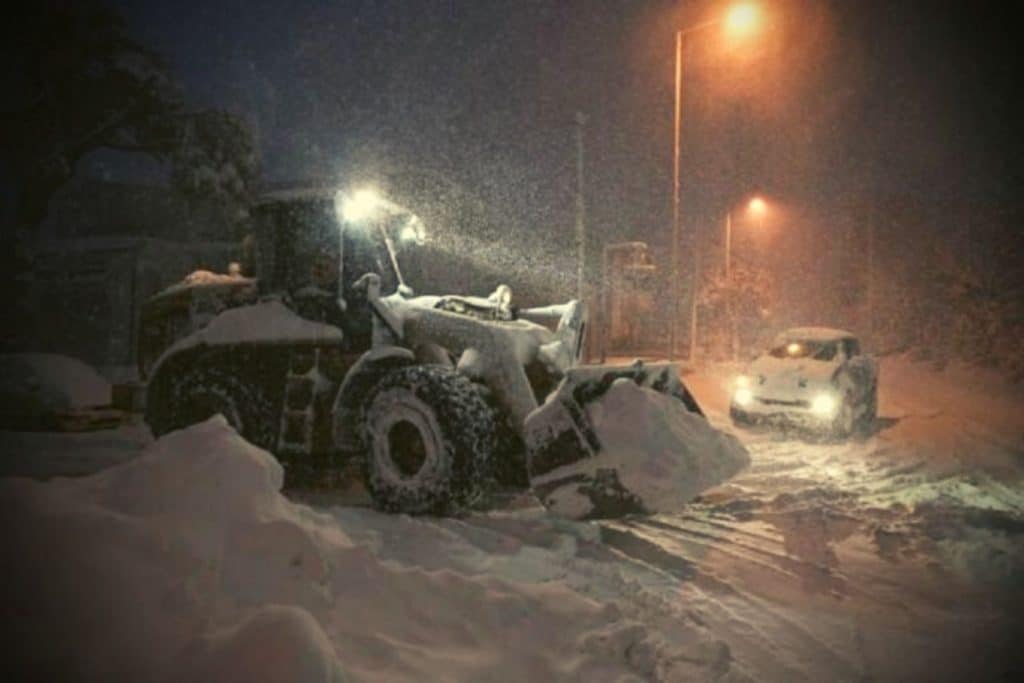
(740, 19)
(733, 341)
(757, 207)
(581, 234)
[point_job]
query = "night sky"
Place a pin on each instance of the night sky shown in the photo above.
(832, 103)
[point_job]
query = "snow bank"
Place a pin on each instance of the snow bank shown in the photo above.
(187, 564)
(44, 383)
(654, 455)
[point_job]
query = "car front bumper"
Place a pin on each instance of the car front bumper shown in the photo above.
(780, 415)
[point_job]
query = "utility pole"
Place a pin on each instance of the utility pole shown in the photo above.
(871, 274)
(695, 280)
(581, 233)
(728, 244)
(730, 304)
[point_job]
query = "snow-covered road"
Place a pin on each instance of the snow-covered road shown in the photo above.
(897, 556)
(893, 557)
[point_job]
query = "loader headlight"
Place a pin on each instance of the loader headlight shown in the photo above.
(413, 231)
(824, 405)
(743, 396)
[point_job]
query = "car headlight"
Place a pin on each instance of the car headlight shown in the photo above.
(743, 396)
(824, 405)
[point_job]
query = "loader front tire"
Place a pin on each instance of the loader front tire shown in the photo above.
(428, 436)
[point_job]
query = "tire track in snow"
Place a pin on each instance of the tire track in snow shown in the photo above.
(754, 622)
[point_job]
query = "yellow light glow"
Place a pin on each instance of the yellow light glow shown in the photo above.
(824, 405)
(743, 381)
(757, 206)
(360, 205)
(743, 396)
(742, 19)
(793, 348)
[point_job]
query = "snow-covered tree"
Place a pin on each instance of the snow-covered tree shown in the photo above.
(215, 158)
(75, 82)
(79, 82)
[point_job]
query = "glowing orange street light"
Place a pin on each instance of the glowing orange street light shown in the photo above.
(757, 207)
(740, 21)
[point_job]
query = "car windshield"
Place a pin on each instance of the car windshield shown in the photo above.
(814, 350)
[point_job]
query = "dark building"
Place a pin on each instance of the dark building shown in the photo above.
(104, 249)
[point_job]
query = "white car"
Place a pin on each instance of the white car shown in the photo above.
(813, 378)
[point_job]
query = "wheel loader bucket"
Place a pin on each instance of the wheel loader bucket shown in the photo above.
(564, 447)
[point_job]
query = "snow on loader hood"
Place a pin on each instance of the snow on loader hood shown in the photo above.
(640, 447)
(187, 564)
(266, 322)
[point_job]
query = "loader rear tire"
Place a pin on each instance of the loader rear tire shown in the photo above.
(198, 393)
(429, 437)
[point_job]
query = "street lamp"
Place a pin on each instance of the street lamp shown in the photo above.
(756, 207)
(741, 20)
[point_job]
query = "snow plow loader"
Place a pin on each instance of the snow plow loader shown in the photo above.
(441, 400)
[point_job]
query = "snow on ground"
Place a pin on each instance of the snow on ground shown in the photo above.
(896, 556)
(910, 538)
(188, 564)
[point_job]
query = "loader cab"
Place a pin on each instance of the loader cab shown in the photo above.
(297, 243)
(298, 247)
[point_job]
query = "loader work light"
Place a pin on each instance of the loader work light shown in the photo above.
(360, 205)
(413, 231)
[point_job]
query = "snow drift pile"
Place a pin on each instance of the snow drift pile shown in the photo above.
(633, 449)
(35, 387)
(187, 564)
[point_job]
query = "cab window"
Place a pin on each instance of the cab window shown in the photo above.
(815, 350)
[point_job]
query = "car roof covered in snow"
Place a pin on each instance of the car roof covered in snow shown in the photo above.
(822, 334)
